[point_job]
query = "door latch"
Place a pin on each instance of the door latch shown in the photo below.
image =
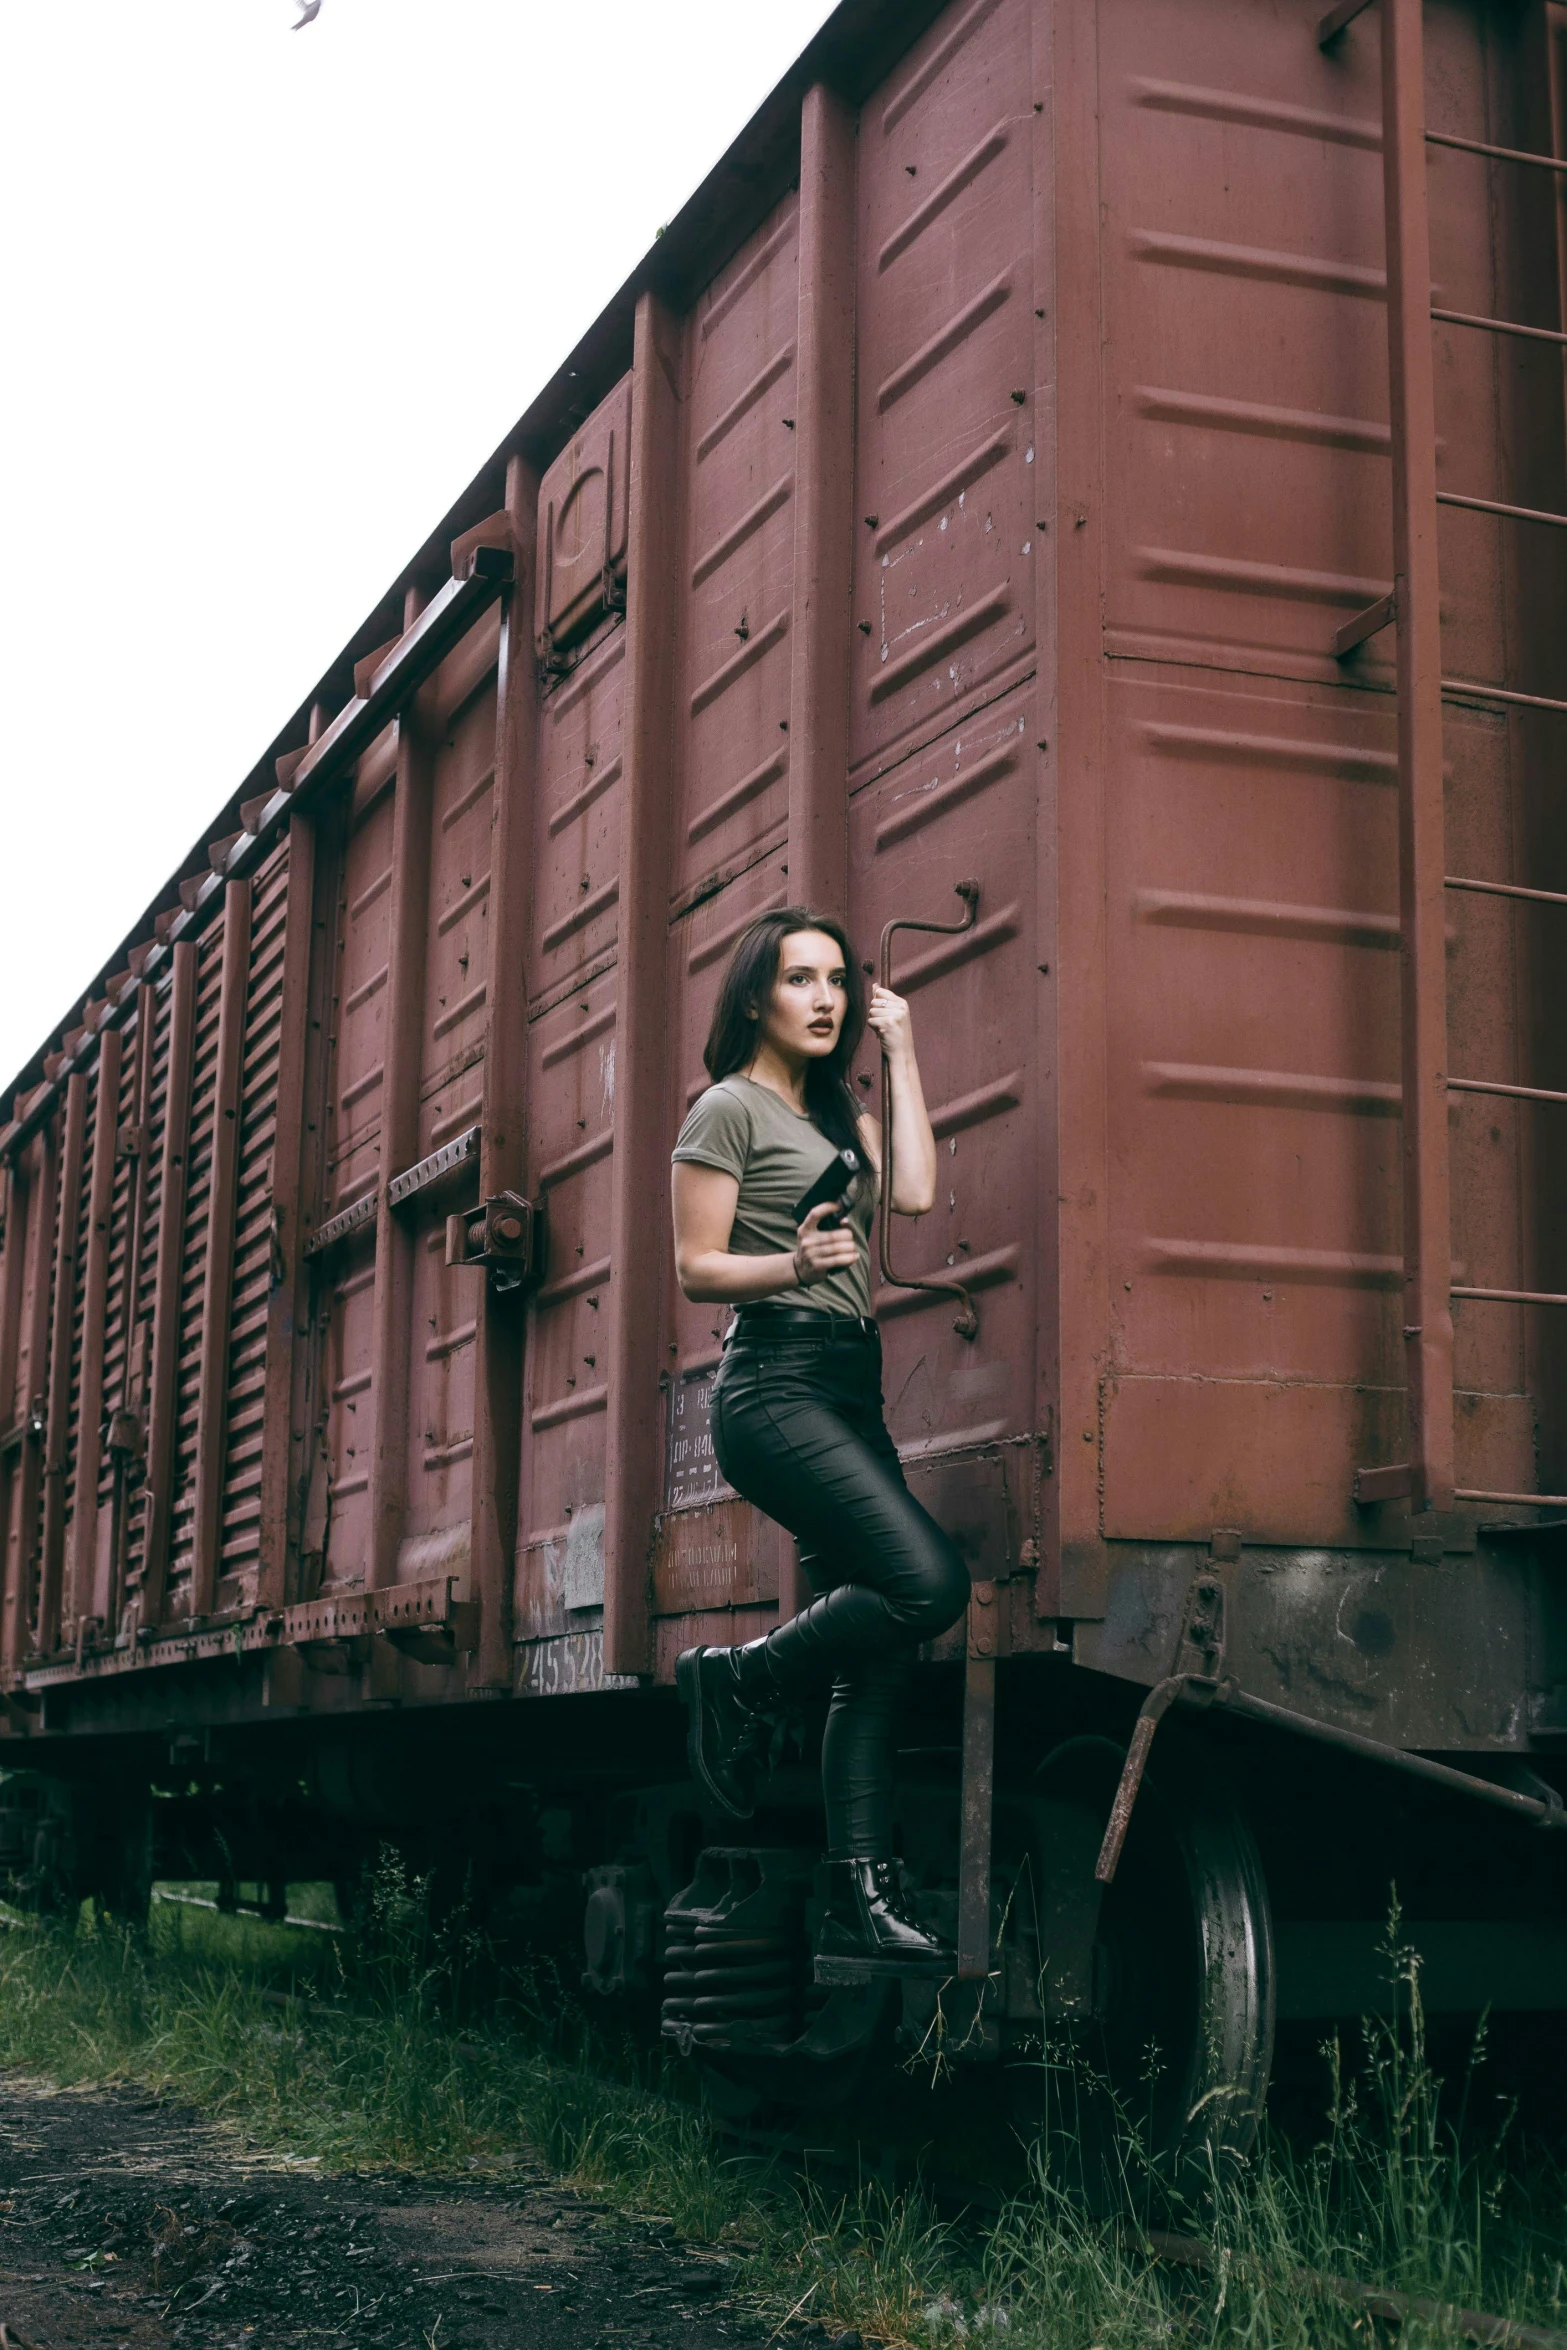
(504, 1234)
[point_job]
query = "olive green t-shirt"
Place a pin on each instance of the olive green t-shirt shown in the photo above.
(750, 1132)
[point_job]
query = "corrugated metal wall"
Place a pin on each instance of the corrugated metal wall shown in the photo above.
(985, 518)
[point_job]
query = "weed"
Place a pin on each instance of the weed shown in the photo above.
(405, 2047)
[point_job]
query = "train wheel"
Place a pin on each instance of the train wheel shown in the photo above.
(1166, 2061)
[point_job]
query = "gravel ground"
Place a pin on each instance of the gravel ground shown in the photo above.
(130, 2224)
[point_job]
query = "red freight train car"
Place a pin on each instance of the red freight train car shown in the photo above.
(1086, 473)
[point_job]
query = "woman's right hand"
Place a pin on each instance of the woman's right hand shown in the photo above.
(818, 1253)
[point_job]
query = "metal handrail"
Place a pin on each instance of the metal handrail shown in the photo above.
(967, 1323)
(1508, 889)
(1496, 506)
(1501, 326)
(1498, 154)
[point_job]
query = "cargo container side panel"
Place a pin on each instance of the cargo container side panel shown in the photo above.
(101, 1166)
(1252, 978)
(193, 1269)
(582, 548)
(58, 1368)
(40, 1187)
(1251, 837)
(80, 1248)
(457, 958)
(338, 1527)
(740, 433)
(1253, 904)
(739, 436)
(359, 1011)
(254, 1244)
(963, 810)
(24, 1457)
(577, 879)
(119, 1328)
(457, 968)
(945, 524)
(155, 1097)
(12, 1260)
(703, 1561)
(441, 1419)
(571, 1101)
(1245, 315)
(348, 1408)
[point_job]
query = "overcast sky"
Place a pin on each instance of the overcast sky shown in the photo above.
(269, 300)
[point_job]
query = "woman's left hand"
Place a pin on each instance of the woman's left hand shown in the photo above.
(888, 1015)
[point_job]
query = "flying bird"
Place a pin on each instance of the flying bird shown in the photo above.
(309, 11)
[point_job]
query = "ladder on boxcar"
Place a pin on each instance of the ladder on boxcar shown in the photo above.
(1428, 1478)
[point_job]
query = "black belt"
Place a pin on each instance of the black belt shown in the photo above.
(757, 1325)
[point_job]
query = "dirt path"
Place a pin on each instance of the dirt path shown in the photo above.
(128, 2224)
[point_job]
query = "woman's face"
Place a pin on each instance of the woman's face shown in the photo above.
(810, 996)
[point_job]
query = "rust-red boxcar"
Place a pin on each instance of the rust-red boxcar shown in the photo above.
(1088, 471)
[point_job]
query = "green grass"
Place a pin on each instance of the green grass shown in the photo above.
(407, 2050)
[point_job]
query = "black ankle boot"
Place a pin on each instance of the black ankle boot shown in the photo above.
(868, 1930)
(727, 1733)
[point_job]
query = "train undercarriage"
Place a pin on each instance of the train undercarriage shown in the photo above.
(1247, 1911)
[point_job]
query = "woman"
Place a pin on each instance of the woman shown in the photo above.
(797, 1409)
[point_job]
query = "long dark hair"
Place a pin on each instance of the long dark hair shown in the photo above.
(747, 990)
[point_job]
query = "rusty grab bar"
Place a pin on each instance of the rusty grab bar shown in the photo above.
(967, 1323)
(1201, 1690)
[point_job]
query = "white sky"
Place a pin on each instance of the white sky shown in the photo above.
(268, 300)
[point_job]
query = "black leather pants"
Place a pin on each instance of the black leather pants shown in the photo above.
(798, 1429)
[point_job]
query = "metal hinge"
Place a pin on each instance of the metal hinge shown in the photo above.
(504, 1234)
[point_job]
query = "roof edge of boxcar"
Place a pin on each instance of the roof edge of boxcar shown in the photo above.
(852, 51)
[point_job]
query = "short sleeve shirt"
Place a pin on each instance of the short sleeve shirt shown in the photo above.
(775, 1155)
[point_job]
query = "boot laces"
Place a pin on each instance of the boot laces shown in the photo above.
(757, 1739)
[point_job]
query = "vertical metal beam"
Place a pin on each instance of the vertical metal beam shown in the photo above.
(503, 1143)
(1046, 1229)
(1071, 814)
(639, 1180)
(1428, 1320)
(95, 1319)
(979, 1780)
(823, 499)
(163, 1398)
(57, 1443)
(282, 1438)
(820, 633)
(392, 1307)
(217, 1295)
(33, 1340)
